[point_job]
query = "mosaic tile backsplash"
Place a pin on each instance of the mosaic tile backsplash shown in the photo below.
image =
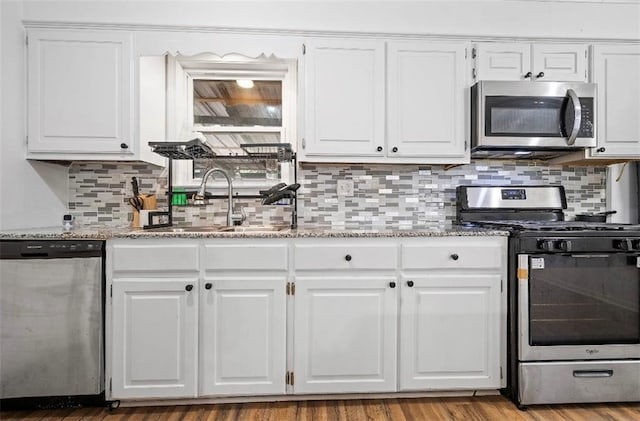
(385, 196)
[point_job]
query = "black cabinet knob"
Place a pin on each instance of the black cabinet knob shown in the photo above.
(540, 75)
(189, 287)
(124, 146)
(409, 283)
(395, 149)
(392, 284)
(454, 256)
(347, 257)
(379, 148)
(600, 149)
(528, 75)
(208, 285)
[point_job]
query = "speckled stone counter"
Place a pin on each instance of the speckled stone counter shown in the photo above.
(106, 233)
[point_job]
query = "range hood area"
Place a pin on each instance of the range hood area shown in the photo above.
(519, 153)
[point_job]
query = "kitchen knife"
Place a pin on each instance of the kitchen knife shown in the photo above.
(134, 186)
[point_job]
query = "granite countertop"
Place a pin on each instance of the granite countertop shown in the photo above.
(106, 233)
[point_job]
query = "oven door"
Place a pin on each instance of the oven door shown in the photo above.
(579, 306)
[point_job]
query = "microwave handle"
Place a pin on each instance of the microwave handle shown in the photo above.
(577, 115)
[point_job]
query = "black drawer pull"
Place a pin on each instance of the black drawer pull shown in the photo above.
(392, 284)
(189, 287)
(124, 146)
(379, 148)
(208, 285)
(410, 284)
(394, 149)
(454, 256)
(347, 257)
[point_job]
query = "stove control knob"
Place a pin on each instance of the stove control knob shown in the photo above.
(564, 245)
(546, 245)
(624, 244)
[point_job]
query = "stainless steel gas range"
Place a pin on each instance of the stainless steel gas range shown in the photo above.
(574, 296)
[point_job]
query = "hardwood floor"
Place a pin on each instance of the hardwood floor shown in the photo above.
(436, 409)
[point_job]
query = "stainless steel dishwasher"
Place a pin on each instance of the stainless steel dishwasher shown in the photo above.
(51, 318)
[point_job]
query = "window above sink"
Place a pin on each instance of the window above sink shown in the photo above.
(228, 102)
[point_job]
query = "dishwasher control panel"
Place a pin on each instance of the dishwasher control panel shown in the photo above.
(50, 249)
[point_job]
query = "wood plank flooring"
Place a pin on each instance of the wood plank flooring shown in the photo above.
(436, 409)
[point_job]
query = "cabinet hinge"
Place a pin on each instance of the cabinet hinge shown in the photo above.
(304, 143)
(110, 385)
(473, 52)
(290, 378)
(291, 288)
(286, 378)
(473, 73)
(111, 291)
(26, 140)
(500, 372)
(466, 145)
(501, 285)
(465, 53)
(26, 40)
(304, 49)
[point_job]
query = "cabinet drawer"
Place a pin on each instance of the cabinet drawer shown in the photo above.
(155, 258)
(345, 256)
(245, 257)
(451, 254)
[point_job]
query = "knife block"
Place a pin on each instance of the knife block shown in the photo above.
(149, 201)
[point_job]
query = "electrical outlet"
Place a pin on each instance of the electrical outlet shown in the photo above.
(345, 188)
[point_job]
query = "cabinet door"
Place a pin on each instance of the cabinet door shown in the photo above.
(559, 62)
(427, 87)
(502, 61)
(450, 332)
(345, 335)
(79, 92)
(344, 104)
(243, 331)
(154, 348)
(616, 70)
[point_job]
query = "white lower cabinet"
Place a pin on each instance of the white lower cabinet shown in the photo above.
(243, 343)
(246, 317)
(154, 338)
(345, 334)
(450, 332)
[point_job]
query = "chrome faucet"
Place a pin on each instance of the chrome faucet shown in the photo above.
(200, 195)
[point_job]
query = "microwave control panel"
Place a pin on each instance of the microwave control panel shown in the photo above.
(586, 123)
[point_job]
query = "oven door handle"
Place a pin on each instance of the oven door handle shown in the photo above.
(577, 116)
(591, 256)
(593, 373)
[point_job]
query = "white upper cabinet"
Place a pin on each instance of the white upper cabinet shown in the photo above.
(80, 96)
(523, 61)
(344, 88)
(349, 119)
(616, 70)
(427, 89)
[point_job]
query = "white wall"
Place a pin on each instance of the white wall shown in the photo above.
(518, 18)
(34, 194)
(31, 193)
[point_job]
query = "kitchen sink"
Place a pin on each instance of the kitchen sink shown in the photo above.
(264, 228)
(220, 228)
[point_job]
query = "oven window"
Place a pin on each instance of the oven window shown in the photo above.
(584, 300)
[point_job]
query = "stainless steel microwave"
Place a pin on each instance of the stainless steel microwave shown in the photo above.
(532, 118)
